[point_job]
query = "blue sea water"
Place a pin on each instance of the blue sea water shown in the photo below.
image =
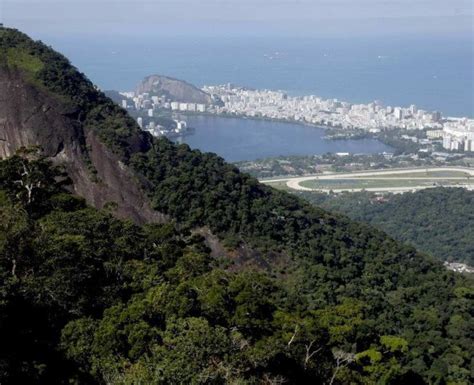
(435, 74)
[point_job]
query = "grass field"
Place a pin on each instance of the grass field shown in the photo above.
(357, 183)
(393, 180)
(423, 174)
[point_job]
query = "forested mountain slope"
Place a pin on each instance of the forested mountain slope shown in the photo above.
(337, 302)
(439, 221)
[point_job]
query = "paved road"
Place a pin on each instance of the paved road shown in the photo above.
(294, 182)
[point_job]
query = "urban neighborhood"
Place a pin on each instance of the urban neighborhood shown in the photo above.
(454, 133)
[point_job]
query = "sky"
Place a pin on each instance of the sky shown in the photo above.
(240, 17)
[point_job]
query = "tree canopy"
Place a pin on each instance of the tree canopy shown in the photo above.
(438, 221)
(87, 298)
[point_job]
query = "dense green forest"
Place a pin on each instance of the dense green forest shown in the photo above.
(87, 298)
(438, 221)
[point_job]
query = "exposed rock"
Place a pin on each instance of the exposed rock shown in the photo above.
(29, 116)
(242, 256)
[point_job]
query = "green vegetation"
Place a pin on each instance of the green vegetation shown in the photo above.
(279, 185)
(393, 139)
(360, 183)
(23, 60)
(55, 74)
(88, 299)
(424, 174)
(439, 221)
(310, 165)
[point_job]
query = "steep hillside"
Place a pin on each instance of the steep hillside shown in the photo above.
(173, 89)
(339, 301)
(46, 102)
(88, 299)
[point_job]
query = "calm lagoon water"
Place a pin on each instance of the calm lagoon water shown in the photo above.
(245, 139)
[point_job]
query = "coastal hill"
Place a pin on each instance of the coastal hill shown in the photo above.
(173, 89)
(255, 285)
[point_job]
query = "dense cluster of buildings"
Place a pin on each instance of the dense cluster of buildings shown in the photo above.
(329, 112)
(457, 134)
(149, 107)
(149, 102)
(178, 128)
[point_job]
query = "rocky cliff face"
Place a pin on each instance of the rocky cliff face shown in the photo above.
(174, 89)
(30, 116)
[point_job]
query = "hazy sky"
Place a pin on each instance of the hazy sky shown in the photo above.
(233, 17)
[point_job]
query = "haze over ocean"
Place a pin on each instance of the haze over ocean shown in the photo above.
(399, 52)
(434, 74)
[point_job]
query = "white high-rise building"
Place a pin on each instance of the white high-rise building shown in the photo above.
(459, 135)
(181, 125)
(468, 145)
(447, 142)
(397, 112)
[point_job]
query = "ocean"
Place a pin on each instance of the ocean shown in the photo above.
(434, 74)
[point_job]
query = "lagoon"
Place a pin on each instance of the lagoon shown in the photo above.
(237, 139)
